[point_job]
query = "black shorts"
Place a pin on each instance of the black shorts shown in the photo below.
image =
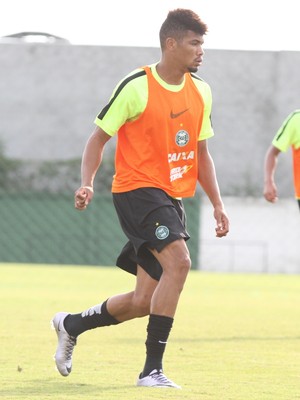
(150, 219)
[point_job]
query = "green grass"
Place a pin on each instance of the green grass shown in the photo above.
(235, 337)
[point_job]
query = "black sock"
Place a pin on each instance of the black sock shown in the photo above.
(94, 317)
(158, 329)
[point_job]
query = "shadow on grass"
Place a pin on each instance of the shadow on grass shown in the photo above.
(238, 339)
(42, 388)
(224, 339)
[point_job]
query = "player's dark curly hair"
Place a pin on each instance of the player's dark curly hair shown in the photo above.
(178, 22)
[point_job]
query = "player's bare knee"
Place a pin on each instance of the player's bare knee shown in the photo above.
(184, 264)
(177, 271)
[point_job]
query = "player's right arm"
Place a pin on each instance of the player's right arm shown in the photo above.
(91, 161)
(127, 102)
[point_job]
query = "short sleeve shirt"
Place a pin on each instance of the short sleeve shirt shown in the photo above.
(289, 133)
(129, 100)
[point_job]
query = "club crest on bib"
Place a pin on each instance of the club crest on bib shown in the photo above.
(182, 138)
(162, 232)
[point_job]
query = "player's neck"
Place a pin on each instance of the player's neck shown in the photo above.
(169, 73)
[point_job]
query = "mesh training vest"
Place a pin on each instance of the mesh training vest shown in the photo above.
(296, 167)
(159, 149)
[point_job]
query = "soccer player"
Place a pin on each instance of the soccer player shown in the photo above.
(161, 113)
(288, 136)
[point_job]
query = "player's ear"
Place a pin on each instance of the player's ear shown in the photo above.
(170, 43)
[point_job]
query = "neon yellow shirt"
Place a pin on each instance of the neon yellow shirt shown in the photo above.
(289, 136)
(289, 133)
(130, 96)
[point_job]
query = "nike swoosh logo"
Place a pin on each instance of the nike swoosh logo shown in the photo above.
(172, 115)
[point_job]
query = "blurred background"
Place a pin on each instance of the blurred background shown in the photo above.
(53, 84)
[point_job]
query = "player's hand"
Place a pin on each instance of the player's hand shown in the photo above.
(83, 196)
(270, 192)
(222, 220)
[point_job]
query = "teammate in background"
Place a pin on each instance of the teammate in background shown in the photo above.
(161, 113)
(287, 136)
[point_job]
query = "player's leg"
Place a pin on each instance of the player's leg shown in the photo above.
(112, 311)
(134, 304)
(175, 261)
(153, 220)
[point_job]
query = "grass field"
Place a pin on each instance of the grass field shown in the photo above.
(235, 337)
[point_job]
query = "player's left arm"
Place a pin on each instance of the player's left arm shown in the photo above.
(208, 181)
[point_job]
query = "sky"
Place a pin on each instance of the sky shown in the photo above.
(233, 24)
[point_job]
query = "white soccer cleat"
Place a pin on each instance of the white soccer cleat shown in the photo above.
(156, 379)
(65, 346)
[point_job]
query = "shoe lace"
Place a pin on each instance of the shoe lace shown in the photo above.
(69, 346)
(161, 378)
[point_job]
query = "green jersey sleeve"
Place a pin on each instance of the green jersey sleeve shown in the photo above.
(127, 102)
(289, 133)
(206, 128)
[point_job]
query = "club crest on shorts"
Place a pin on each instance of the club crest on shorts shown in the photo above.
(182, 138)
(162, 232)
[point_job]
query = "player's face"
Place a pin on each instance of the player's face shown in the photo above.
(190, 51)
